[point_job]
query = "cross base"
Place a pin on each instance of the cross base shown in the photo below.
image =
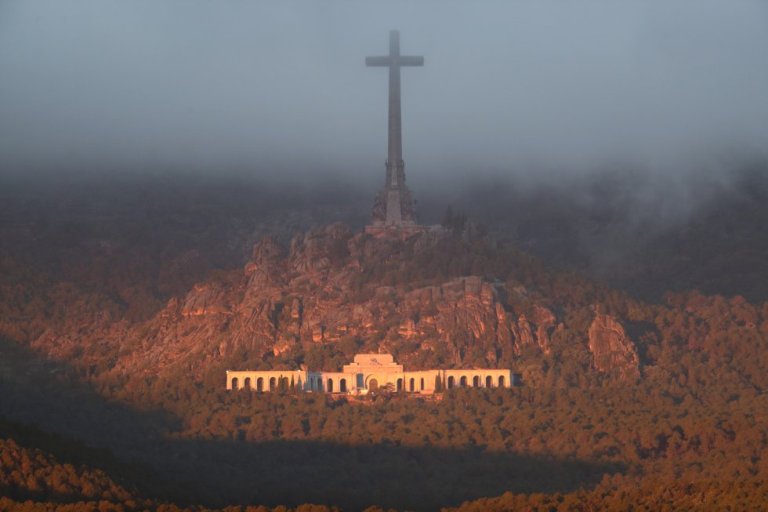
(402, 231)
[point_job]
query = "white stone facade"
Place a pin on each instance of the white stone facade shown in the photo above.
(369, 372)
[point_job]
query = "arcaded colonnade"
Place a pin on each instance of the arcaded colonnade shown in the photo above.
(370, 372)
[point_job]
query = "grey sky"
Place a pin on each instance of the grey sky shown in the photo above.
(282, 85)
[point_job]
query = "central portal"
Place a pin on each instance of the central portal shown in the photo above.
(373, 385)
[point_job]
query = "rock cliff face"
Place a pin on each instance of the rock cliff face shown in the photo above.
(434, 299)
(611, 348)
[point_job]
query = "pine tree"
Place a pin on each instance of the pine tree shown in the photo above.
(438, 384)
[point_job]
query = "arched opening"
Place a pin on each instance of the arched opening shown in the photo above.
(399, 385)
(373, 385)
(247, 383)
(330, 386)
(488, 382)
(272, 384)
(501, 381)
(343, 385)
(451, 382)
(260, 384)
(475, 381)
(412, 385)
(422, 384)
(463, 381)
(234, 383)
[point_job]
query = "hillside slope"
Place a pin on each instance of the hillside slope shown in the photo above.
(126, 351)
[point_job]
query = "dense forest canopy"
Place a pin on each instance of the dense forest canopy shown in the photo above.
(655, 402)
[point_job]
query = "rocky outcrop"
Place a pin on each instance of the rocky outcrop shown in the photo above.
(545, 322)
(307, 296)
(534, 333)
(612, 350)
(343, 291)
(320, 249)
(205, 299)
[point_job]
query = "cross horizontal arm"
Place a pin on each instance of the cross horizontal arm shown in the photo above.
(410, 61)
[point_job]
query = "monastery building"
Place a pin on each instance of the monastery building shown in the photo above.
(369, 372)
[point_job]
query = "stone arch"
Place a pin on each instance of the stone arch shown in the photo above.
(272, 384)
(412, 385)
(489, 381)
(247, 383)
(451, 382)
(501, 381)
(330, 386)
(476, 381)
(373, 384)
(234, 383)
(260, 384)
(422, 384)
(463, 381)
(343, 385)
(399, 385)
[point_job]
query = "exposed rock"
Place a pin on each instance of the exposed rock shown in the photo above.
(611, 348)
(523, 334)
(320, 249)
(545, 321)
(205, 299)
(523, 331)
(267, 251)
(503, 327)
(296, 309)
(332, 286)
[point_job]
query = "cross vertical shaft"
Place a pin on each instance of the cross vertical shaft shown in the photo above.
(394, 206)
(395, 164)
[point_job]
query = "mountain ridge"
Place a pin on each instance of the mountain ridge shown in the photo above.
(639, 388)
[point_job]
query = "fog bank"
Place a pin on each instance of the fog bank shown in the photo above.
(281, 87)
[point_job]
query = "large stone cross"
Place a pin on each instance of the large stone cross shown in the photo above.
(395, 199)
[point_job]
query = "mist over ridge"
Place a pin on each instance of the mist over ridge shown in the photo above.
(280, 88)
(580, 132)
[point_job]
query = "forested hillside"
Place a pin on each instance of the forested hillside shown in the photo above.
(118, 323)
